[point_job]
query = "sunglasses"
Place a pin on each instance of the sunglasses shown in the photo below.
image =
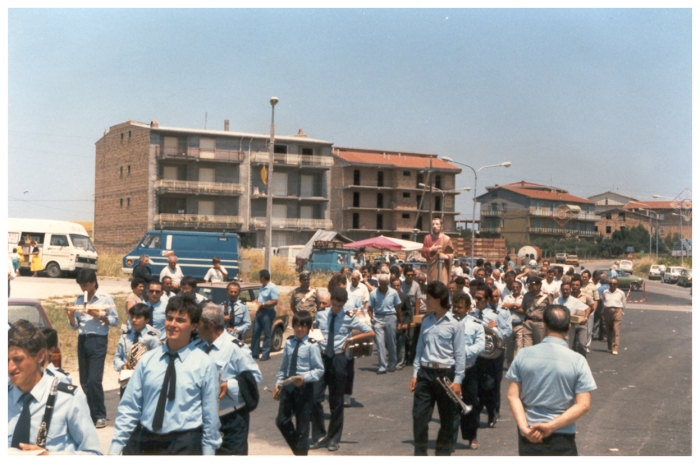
(478, 298)
(155, 291)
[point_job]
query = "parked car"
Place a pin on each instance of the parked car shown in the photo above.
(686, 278)
(560, 258)
(671, 275)
(625, 280)
(32, 311)
(655, 271)
(572, 259)
(626, 265)
(249, 294)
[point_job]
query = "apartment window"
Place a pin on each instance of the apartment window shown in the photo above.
(355, 221)
(504, 207)
(407, 194)
(661, 230)
(407, 173)
(356, 177)
(380, 200)
(438, 203)
(405, 237)
(356, 199)
(438, 182)
(596, 229)
(405, 216)
(307, 151)
(122, 134)
(608, 216)
(419, 223)
(418, 199)
(281, 149)
(121, 171)
(128, 202)
(380, 221)
(621, 217)
(121, 202)
(608, 229)
(128, 170)
(419, 180)
(380, 179)
(129, 135)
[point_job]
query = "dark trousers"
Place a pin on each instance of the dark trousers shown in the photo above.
(263, 324)
(335, 377)
(234, 432)
(404, 344)
(351, 376)
(296, 404)
(557, 444)
(469, 423)
(92, 350)
(598, 324)
(427, 392)
(318, 424)
(143, 441)
(487, 372)
(498, 371)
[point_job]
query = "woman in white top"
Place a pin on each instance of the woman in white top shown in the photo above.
(217, 273)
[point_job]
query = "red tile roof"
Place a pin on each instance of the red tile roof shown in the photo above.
(523, 184)
(547, 195)
(654, 204)
(394, 159)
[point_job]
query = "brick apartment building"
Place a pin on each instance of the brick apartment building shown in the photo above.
(522, 211)
(664, 217)
(376, 192)
(151, 177)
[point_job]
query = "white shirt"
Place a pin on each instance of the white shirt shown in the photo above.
(456, 270)
(175, 274)
(361, 291)
(616, 299)
(553, 288)
(572, 303)
(215, 275)
(500, 285)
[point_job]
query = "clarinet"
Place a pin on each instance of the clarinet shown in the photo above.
(48, 413)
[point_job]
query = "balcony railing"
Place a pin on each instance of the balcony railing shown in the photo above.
(492, 212)
(293, 160)
(491, 230)
(187, 186)
(292, 223)
(197, 153)
(197, 220)
(546, 212)
(556, 231)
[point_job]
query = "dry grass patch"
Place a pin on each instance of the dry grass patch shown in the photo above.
(110, 265)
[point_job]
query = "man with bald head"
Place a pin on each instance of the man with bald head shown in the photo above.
(173, 271)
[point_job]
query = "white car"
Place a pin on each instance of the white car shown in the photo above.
(626, 265)
(671, 275)
(656, 271)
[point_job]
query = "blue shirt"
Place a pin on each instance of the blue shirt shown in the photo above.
(93, 325)
(268, 293)
(550, 377)
(384, 304)
(195, 403)
(71, 430)
(158, 319)
(146, 336)
(239, 317)
(309, 362)
(62, 375)
(441, 342)
(232, 358)
(342, 328)
(474, 339)
(502, 318)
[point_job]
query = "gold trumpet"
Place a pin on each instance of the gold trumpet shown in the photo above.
(446, 383)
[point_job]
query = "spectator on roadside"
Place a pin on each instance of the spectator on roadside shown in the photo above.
(367, 279)
(188, 285)
(614, 303)
(217, 273)
(403, 341)
(551, 286)
(173, 271)
(35, 265)
(15, 259)
(358, 288)
(421, 295)
(383, 303)
(167, 288)
(136, 295)
(143, 271)
(267, 301)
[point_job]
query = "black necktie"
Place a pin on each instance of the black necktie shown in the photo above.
(208, 348)
(21, 433)
(293, 363)
(167, 391)
(137, 335)
(330, 346)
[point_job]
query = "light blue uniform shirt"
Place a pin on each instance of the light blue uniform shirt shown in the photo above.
(232, 358)
(146, 336)
(93, 325)
(384, 304)
(239, 316)
(158, 319)
(474, 339)
(550, 376)
(309, 362)
(342, 328)
(502, 318)
(195, 404)
(322, 316)
(62, 375)
(268, 293)
(71, 430)
(441, 342)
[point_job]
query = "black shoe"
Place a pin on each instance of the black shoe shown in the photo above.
(322, 443)
(381, 372)
(492, 422)
(256, 356)
(265, 358)
(333, 447)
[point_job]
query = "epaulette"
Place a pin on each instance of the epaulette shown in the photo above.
(238, 342)
(62, 371)
(350, 313)
(154, 334)
(67, 388)
(312, 340)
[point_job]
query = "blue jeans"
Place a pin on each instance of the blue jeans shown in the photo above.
(263, 323)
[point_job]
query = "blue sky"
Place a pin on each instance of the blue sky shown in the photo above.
(588, 100)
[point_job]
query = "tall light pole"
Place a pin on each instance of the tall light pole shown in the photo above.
(505, 164)
(680, 218)
(648, 208)
(442, 210)
(270, 164)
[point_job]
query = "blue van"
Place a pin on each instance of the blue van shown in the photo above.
(194, 251)
(329, 259)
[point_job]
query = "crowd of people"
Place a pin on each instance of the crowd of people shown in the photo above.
(192, 383)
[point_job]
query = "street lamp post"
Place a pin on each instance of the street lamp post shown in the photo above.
(476, 172)
(680, 218)
(270, 164)
(648, 208)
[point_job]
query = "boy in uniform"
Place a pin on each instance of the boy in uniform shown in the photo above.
(51, 346)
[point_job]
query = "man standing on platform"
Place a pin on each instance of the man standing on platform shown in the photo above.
(438, 252)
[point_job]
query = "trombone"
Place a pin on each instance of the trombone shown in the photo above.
(446, 383)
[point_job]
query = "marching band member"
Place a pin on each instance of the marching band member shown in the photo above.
(474, 339)
(239, 380)
(139, 317)
(170, 403)
(337, 327)
(440, 353)
(301, 360)
(33, 394)
(236, 314)
(318, 426)
(92, 342)
(51, 346)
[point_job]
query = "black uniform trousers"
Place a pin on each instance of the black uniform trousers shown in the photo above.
(487, 373)
(335, 378)
(143, 441)
(351, 376)
(427, 392)
(296, 403)
(234, 433)
(557, 444)
(92, 350)
(469, 423)
(598, 324)
(498, 370)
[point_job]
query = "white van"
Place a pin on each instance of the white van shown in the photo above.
(289, 253)
(63, 246)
